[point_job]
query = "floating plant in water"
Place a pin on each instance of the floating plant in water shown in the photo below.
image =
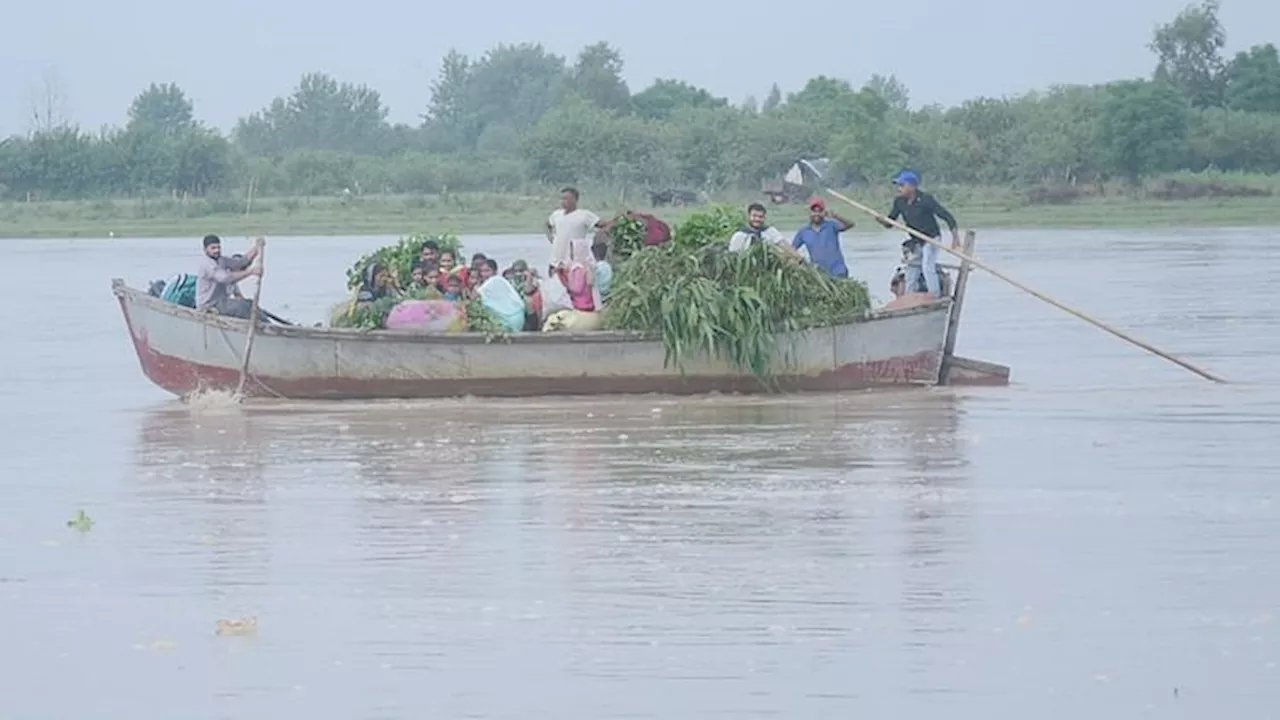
(81, 522)
(238, 626)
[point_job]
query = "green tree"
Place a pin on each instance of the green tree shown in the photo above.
(202, 161)
(1189, 51)
(867, 146)
(597, 77)
(1235, 141)
(665, 98)
(513, 85)
(62, 162)
(448, 114)
(891, 90)
(774, 142)
(162, 109)
(773, 99)
(518, 116)
(1143, 128)
(579, 142)
(1253, 80)
(707, 144)
(320, 172)
(163, 149)
(1054, 135)
(940, 147)
(849, 127)
(321, 114)
(992, 125)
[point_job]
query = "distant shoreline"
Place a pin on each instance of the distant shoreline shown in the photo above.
(512, 214)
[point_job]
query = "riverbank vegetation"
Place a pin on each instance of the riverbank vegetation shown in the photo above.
(1175, 199)
(502, 129)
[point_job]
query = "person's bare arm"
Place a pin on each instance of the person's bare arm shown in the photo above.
(224, 276)
(252, 254)
(845, 224)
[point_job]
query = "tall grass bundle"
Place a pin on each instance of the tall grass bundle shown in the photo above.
(702, 298)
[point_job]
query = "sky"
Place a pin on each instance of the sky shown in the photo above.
(232, 57)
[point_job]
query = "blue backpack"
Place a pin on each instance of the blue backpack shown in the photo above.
(181, 290)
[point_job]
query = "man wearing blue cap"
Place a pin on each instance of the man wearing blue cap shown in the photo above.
(920, 212)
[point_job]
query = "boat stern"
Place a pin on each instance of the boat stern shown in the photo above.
(957, 370)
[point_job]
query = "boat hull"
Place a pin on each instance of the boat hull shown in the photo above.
(184, 351)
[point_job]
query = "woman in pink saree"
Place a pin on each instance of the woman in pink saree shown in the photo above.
(578, 277)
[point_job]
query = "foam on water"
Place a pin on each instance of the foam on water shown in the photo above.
(213, 400)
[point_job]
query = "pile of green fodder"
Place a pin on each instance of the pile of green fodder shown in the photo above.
(626, 237)
(398, 259)
(701, 298)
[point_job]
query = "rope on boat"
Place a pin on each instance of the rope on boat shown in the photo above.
(223, 332)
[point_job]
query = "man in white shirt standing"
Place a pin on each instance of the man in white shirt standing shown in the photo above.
(757, 231)
(569, 230)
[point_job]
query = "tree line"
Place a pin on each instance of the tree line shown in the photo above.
(520, 117)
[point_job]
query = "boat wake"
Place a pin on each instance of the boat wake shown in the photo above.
(212, 400)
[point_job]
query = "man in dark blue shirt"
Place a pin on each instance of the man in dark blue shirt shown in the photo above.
(920, 212)
(821, 238)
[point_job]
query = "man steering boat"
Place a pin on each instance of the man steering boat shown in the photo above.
(920, 211)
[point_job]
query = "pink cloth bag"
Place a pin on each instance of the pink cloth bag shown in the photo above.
(579, 288)
(423, 315)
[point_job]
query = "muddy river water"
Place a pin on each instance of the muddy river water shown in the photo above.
(1100, 539)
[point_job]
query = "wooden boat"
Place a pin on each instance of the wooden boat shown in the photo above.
(185, 351)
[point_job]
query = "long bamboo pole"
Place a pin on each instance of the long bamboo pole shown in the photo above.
(1034, 293)
(253, 322)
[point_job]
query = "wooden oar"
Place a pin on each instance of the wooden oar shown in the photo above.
(1034, 293)
(272, 316)
(253, 322)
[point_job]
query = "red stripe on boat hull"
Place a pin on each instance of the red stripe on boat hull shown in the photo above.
(182, 377)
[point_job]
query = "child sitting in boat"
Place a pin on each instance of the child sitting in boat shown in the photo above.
(904, 296)
(432, 277)
(912, 257)
(454, 290)
(419, 277)
(604, 271)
